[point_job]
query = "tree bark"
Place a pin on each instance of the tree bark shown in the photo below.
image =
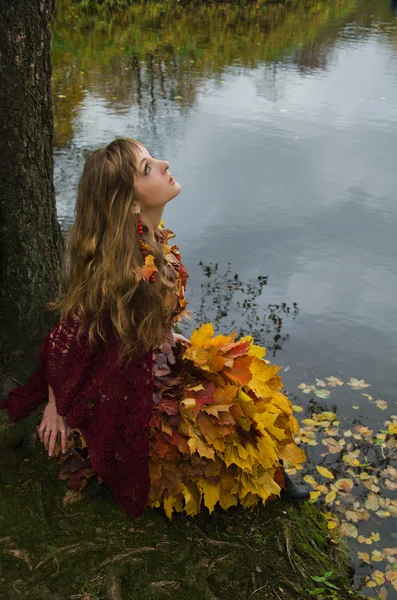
(31, 243)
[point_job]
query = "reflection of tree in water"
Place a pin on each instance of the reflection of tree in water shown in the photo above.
(157, 55)
(231, 304)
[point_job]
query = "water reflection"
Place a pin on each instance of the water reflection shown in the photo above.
(155, 54)
(232, 304)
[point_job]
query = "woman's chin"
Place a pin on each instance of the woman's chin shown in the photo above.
(176, 188)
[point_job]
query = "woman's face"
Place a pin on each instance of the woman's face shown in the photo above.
(154, 186)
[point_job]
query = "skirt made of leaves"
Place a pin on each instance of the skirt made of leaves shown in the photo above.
(219, 428)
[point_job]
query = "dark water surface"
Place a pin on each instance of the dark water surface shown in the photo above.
(280, 122)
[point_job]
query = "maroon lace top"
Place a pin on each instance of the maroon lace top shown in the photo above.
(111, 407)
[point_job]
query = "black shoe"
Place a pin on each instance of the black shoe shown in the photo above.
(292, 492)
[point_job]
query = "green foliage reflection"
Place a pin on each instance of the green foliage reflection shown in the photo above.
(132, 53)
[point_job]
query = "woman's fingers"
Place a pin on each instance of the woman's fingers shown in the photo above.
(64, 440)
(46, 438)
(52, 442)
(40, 430)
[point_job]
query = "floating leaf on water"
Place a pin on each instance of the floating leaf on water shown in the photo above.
(358, 384)
(320, 383)
(372, 502)
(310, 480)
(363, 540)
(364, 556)
(344, 485)
(362, 514)
(376, 556)
(322, 393)
(352, 458)
(381, 404)
(350, 515)
(392, 429)
(330, 497)
(390, 485)
(375, 537)
(297, 408)
(325, 472)
(348, 529)
(378, 577)
(367, 396)
(314, 496)
(334, 381)
(382, 513)
(383, 593)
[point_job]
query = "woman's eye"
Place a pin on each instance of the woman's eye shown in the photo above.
(147, 167)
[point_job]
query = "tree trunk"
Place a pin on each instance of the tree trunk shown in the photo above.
(31, 242)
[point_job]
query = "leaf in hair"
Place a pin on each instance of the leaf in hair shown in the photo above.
(148, 268)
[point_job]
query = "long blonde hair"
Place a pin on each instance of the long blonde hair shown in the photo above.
(101, 276)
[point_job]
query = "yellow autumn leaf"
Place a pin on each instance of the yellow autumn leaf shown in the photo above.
(261, 374)
(382, 513)
(330, 497)
(197, 445)
(392, 429)
(372, 502)
(257, 351)
(376, 556)
(378, 577)
(348, 529)
(310, 480)
(314, 495)
(192, 498)
(292, 455)
(344, 485)
(332, 524)
(211, 493)
(325, 472)
(364, 556)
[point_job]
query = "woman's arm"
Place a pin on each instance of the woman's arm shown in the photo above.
(52, 424)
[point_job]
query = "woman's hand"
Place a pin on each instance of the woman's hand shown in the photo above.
(52, 424)
(178, 338)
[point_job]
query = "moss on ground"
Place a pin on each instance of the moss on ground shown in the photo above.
(90, 549)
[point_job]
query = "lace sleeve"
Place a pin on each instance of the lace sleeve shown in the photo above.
(23, 399)
(68, 366)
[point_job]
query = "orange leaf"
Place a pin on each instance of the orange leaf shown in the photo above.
(292, 455)
(240, 374)
(149, 267)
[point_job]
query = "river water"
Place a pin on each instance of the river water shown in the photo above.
(280, 122)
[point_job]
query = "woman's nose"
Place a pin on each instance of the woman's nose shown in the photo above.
(166, 165)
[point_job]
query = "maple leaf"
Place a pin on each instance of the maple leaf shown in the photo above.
(292, 455)
(210, 428)
(168, 406)
(238, 349)
(192, 498)
(197, 445)
(211, 493)
(262, 374)
(148, 268)
(240, 374)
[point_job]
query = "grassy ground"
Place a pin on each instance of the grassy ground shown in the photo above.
(90, 549)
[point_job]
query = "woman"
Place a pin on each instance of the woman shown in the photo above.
(166, 422)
